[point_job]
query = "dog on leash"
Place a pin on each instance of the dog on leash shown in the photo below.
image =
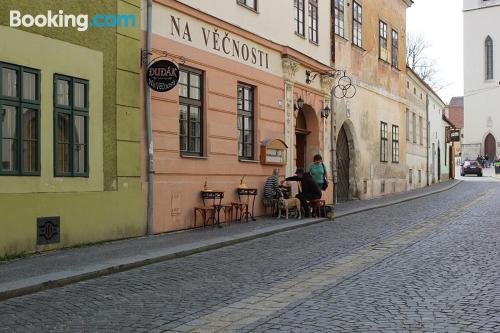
(291, 204)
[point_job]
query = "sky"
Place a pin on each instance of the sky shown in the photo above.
(440, 22)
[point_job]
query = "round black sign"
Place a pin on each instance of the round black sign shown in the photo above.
(162, 75)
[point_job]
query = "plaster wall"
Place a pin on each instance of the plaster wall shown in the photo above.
(481, 96)
(416, 144)
(381, 97)
(274, 20)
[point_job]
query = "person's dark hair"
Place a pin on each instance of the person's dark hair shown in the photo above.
(317, 157)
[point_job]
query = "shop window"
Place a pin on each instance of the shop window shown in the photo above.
(383, 142)
(383, 53)
(190, 111)
(313, 21)
(19, 120)
(395, 49)
(395, 144)
(357, 24)
(245, 121)
(299, 10)
(71, 124)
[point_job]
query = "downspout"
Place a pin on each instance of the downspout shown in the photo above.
(149, 125)
(333, 130)
(428, 134)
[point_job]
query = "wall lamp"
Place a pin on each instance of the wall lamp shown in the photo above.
(298, 106)
(325, 113)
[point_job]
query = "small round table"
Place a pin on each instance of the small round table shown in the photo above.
(248, 193)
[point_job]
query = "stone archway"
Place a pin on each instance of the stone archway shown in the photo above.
(346, 183)
(490, 146)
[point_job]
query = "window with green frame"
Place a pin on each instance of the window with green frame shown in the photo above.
(71, 126)
(19, 120)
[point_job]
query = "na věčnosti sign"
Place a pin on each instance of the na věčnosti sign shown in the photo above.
(162, 75)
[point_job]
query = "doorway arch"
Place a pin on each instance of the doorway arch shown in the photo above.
(345, 186)
(490, 146)
(306, 136)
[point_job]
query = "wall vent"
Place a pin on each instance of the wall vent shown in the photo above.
(48, 230)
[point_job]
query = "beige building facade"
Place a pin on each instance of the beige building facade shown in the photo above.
(416, 131)
(370, 144)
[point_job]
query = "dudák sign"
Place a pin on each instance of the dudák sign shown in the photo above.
(162, 75)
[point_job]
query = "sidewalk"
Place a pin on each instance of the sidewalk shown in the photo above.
(53, 269)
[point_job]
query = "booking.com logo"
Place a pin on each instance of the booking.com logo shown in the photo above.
(62, 20)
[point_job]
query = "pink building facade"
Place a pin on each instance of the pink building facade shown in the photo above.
(236, 91)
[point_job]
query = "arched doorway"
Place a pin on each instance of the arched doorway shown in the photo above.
(307, 136)
(343, 165)
(301, 133)
(490, 148)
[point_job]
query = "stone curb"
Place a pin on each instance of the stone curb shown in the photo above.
(232, 240)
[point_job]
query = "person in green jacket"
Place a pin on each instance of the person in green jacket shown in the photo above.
(318, 171)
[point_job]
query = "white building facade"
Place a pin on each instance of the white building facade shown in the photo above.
(416, 131)
(481, 77)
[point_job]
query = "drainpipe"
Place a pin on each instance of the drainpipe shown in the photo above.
(149, 125)
(428, 134)
(333, 130)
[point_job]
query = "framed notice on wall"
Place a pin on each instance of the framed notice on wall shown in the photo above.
(273, 152)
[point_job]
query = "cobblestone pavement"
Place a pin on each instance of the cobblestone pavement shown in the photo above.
(426, 265)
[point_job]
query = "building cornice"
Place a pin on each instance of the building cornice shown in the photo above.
(479, 8)
(284, 50)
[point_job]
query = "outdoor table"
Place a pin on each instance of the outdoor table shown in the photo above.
(248, 193)
(216, 197)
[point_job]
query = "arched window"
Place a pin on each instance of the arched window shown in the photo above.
(488, 47)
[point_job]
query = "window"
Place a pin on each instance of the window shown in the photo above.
(190, 111)
(408, 125)
(357, 24)
(421, 128)
(395, 49)
(488, 45)
(414, 120)
(313, 21)
(245, 122)
(395, 144)
(71, 126)
(383, 142)
(19, 120)
(410, 176)
(383, 53)
(339, 17)
(249, 3)
(299, 16)
(420, 176)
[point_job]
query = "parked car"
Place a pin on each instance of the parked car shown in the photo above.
(471, 167)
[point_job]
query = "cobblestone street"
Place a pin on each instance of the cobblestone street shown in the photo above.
(426, 265)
